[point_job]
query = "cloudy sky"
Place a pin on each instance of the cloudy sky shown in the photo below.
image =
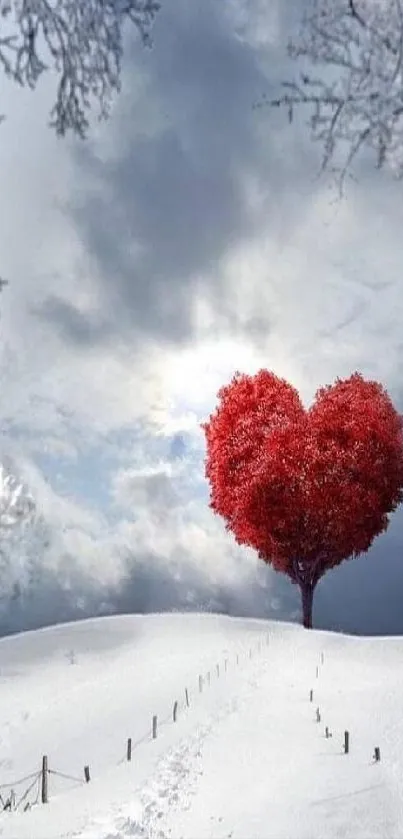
(188, 237)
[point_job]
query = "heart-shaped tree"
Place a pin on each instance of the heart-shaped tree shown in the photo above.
(304, 488)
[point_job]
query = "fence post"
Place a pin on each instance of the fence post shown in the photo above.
(200, 684)
(154, 727)
(187, 697)
(87, 774)
(44, 781)
(377, 754)
(218, 671)
(346, 742)
(322, 658)
(129, 748)
(175, 711)
(208, 678)
(317, 715)
(317, 672)
(311, 695)
(237, 658)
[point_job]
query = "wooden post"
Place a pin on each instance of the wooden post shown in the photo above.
(44, 781)
(317, 715)
(327, 733)
(311, 695)
(154, 728)
(187, 697)
(377, 754)
(175, 711)
(200, 684)
(87, 774)
(346, 742)
(129, 749)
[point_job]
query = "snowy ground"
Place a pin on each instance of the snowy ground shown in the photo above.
(246, 759)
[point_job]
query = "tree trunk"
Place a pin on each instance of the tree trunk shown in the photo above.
(307, 590)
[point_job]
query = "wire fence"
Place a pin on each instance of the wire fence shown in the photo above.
(36, 783)
(66, 777)
(11, 802)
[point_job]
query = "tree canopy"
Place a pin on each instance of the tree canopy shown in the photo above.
(306, 489)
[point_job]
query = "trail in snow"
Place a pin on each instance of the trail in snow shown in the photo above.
(268, 771)
(260, 767)
(175, 779)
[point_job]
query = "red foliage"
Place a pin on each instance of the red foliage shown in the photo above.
(306, 489)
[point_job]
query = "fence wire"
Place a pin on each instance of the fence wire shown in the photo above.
(67, 777)
(10, 803)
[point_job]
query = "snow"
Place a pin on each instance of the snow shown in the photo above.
(246, 759)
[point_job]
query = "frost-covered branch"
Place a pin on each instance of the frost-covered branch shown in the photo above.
(351, 81)
(16, 503)
(20, 530)
(81, 40)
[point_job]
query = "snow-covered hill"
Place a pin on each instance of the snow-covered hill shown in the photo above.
(246, 759)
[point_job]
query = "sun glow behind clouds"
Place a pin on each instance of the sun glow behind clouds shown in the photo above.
(195, 375)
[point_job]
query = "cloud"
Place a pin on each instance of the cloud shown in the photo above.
(192, 174)
(149, 488)
(188, 239)
(74, 325)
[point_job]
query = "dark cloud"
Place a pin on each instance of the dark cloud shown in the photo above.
(51, 599)
(75, 327)
(149, 584)
(177, 447)
(364, 595)
(361, 596)
(150, 491)
(171, 201)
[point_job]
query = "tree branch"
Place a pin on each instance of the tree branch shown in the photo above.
(357, 100)
(81, 41)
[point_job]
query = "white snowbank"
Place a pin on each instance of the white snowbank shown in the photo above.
(246, 759)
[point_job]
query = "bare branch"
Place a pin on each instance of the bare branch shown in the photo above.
(355, 14)
(355, 99)
(82, 40)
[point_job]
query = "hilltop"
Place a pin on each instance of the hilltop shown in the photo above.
(246, 758)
